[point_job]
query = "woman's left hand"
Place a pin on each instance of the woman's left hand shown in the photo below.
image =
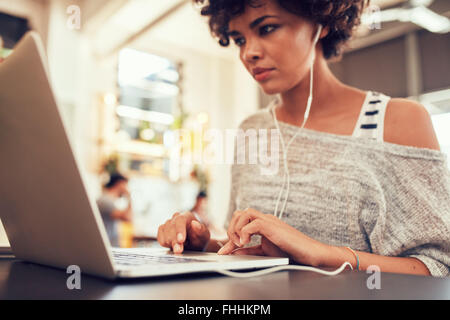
(278, 238)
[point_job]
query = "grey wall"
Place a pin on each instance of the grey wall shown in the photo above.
(384, 67)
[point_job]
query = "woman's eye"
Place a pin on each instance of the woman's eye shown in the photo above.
(239, 41)
(267, 29)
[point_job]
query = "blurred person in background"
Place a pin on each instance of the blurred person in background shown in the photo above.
(200, 212)
(200, 208)
(111, 210)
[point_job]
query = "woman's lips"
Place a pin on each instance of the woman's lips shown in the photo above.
(262, 74)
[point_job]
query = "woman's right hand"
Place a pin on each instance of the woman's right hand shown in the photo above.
(183, 231)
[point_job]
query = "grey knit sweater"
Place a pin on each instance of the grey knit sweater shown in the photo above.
(372, 196)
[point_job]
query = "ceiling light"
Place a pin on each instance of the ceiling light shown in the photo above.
(429, 20)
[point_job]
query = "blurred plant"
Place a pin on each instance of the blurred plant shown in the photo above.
(179, 120)
(111, 165)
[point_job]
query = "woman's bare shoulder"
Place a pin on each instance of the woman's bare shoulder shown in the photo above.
(409, 123)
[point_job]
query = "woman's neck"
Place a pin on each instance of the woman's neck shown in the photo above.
(325, 91)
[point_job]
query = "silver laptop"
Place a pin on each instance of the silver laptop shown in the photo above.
(48, 215)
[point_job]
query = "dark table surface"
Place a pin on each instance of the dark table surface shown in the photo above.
(21, 280)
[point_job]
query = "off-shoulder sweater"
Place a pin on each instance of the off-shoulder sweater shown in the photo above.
(370, 195)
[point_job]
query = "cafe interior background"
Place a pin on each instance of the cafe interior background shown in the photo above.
(129, 73)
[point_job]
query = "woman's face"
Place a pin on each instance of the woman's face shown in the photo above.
(275, 45)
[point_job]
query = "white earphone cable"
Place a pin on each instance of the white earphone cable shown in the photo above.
(286, 177)
(286, 180)
(287, 267)
(275, 213)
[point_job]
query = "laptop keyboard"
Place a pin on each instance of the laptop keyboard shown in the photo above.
(133, 259)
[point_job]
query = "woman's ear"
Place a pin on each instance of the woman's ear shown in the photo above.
(324, 33)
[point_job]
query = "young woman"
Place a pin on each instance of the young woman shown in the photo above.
(362, 177)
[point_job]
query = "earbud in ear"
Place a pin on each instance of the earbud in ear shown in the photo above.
(316, 39)
(319, 30)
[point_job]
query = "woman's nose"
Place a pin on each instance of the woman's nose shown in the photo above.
(252, 51)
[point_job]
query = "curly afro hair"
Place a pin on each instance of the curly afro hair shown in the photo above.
(340, 16)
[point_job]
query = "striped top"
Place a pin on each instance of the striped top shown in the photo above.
(370, 123)
(355, 191)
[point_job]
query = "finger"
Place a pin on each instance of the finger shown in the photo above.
(177, 247)
(171, 234)
(242, 221)
(180, 229)
(252, 251)
(159, 235)
(162, 240)
(198, 235)
(227, 248)
(197, 227)
(254, 227)
(168, 234)
(199, 232)
(231, 228)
